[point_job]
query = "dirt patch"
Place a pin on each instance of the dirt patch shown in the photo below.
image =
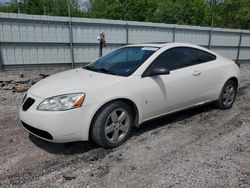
(202, 147)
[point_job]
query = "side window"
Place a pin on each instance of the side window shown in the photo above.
(181, 57)
(203, 57)
(171, 59)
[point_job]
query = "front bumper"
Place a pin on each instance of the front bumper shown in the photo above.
(60, 126)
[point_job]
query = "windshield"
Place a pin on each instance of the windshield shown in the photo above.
(122, 62)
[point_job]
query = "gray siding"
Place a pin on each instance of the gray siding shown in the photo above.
(33, 39)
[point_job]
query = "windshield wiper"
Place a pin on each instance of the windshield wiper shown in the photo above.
(103, 70)
(88, 68)
(106, 71)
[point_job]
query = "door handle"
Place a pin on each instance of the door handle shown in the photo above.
(196, 73)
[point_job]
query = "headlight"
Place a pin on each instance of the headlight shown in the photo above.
(62, 102)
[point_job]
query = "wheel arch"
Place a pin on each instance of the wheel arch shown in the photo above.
(234, 79)
(219, 103)
(131, 104)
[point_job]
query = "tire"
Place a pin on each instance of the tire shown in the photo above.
(227, 95)
(112, 119)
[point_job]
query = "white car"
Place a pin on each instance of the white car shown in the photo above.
(125, 88)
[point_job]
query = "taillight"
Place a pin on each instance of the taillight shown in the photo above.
(237, 63)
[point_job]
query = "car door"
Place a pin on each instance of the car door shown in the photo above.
(211, 75)
(177, 90)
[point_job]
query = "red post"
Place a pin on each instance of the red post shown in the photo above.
(102, 43)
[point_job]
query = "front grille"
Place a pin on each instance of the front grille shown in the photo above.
(38, 132)
(28, 103)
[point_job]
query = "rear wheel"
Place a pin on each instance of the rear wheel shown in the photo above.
(112, 124)
(227, 96)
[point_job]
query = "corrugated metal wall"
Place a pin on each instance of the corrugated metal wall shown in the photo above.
(33, 39)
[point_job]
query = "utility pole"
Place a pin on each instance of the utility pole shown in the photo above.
(71, 38)
(18, 6)
(44, 10)
(212, 6)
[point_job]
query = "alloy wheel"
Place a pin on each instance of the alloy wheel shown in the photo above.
(117, 125)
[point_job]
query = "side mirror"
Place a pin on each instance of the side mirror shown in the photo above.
(156, 71)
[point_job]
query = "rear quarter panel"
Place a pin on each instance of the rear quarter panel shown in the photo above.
(228, 70)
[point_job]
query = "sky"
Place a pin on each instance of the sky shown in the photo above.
(3, 1)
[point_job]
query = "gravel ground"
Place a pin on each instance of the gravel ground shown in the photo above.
(202, 147)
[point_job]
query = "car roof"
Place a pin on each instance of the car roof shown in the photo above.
(171, 45)
(159, 45)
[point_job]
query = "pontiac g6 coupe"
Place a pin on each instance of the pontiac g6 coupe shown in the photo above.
(104, 100)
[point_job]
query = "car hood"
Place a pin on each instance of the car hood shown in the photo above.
(72, 81)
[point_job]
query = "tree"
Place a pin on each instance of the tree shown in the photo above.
(213, 13)
(236, 14)
(244, 16)
(194, 12)
(139, 10)
(48, 7)
(33, 7)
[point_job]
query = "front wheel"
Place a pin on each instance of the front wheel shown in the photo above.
(227, 96)
(112, 124)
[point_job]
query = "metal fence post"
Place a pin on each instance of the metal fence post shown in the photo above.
(71, 40)
(71, 45)
(174, 30)
(127, 35)
(1, 58)
(239, 47)
(210, 38)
